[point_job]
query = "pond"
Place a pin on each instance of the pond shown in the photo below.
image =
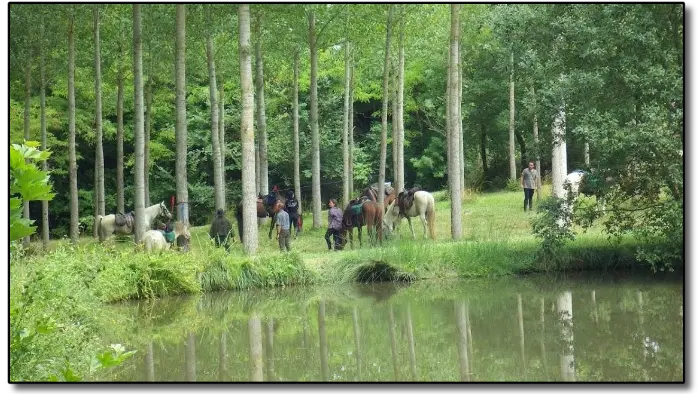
(583, 327)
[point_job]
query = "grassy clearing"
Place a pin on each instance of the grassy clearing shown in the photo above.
(497, 241)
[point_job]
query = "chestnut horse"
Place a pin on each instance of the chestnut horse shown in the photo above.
(371, 215)
(265, 207)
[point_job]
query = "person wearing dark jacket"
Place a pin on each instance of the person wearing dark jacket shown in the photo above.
(221, 229)
(292, 208)
(335, 225)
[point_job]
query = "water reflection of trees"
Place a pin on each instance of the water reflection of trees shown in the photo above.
(413, 335)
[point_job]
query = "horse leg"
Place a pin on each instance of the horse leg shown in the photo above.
(272, 225)
(424, 220)
(359, 234)
(410, 225)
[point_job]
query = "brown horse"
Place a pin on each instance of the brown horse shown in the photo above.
(265, 207)
(372, 191)
(371, 215)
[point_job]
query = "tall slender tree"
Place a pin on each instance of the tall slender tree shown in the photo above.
(315, 143)
(295, 116)
(147, 132)
(181, 117)
(536, 137)
(250, 228)
(511, 122)
(346, 116)
(120, 130)
(99, 153)
(214, 107)
(27, 135)
(72, 162)
(461, 123)
(139, 196)
(455, 184)
(42, 117)
(400, 182)
(351, 128)
(260, 103)
(385, 106)
(222, 140)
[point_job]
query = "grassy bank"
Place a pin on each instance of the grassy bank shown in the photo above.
(53, 294)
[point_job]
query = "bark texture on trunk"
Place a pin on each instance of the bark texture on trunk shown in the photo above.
(139, 196)
(42, 116)
(295, 104)
(400, 182)
(214, 107)
(72, 162)
(315, 143)
(455, 184)
(385, 107)
(260, 106)
(511, 123)
(181, 117)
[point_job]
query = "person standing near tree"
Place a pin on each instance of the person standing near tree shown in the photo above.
(282, 220)
(292, 208)
(528, 181)
(335, 224)
(221, 229)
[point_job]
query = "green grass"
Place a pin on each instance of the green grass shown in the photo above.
(497, 240)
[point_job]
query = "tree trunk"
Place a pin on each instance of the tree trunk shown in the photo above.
(484, 159)
(351, 130)
(587, 154)
(295, 105)
(392, 337)
(149, 363)
(559, 170)
(42, 117)
(315, 144)
(385, 107)
(448, 117)
(120, 139)
(400, 181)
(99, 151)
(462, 345)
(394, 132)
(521, 330)
(455, 184)
(72, 162)
(536, 135)
(214, 106)
(461, 126)
(139, 196)
(256, 139)
(147, 136)
(27, 136)
(511, 123)
(346, 116)
(566, 360)
(248, 200)
(260, 105)
(254, 326)
(190, 358)
(269, 353)
(358, 348)
(222, 143)
(181, 118)
(323, 341)
(411, 344)
(223, 357)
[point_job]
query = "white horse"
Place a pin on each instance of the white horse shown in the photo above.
(423, 206)
(154, 240)
(107, 224)
(573, 181)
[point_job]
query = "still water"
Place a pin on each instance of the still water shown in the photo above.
(606, 327)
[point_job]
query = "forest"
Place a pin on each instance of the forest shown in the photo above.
(335, 87)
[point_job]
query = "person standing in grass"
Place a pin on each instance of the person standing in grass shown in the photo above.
(335, 224)
(292, 208)
(282, 220)
(528, 181)
(221, 229)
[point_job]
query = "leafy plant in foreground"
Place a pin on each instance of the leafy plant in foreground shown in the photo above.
(27, 183)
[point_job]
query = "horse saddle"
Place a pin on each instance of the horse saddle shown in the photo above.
(270, 199)
(169, 236)
(356, 208)
(122, 219)
(406, 199)
(374, 190)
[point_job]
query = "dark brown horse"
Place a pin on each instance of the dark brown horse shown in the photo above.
(370, 214)
(372, 191)
(265, 207)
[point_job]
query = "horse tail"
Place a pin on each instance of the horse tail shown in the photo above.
(431, 216)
